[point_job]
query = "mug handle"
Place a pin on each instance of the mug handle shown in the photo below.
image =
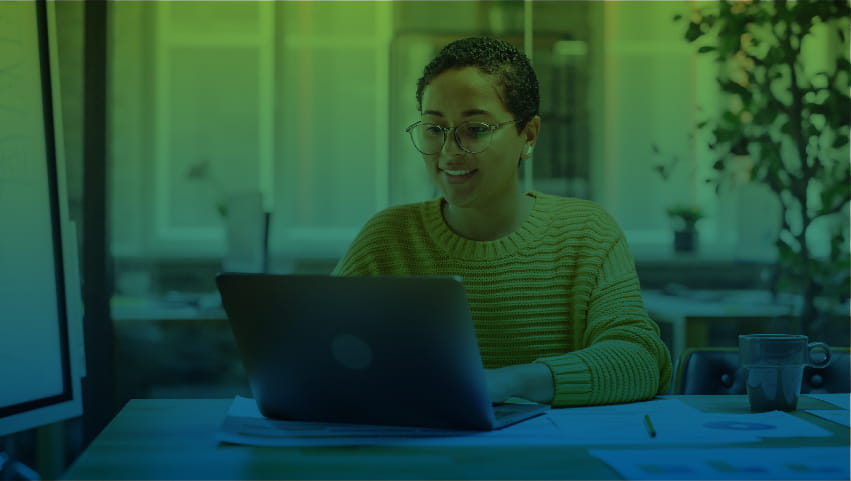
(813, 346)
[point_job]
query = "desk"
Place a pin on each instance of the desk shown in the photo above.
(690, 316)
(175, 439)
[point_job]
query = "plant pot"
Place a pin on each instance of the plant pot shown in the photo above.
(685, 240)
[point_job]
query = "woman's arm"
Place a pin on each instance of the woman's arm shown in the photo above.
(623, 359)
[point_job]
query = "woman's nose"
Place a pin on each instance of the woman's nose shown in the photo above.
(451, 146)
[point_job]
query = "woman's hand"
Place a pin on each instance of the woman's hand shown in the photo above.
(533, 382)
(501, 384)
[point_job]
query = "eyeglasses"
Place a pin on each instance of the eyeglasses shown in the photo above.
(471, 137)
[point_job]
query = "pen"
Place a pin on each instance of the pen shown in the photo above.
(648, 424)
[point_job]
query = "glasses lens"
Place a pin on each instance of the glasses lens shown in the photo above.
(428, 138)
(474, 136)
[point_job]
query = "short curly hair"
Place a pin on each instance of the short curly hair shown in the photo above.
(494, 57)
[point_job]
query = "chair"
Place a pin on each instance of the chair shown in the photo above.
(717, 370)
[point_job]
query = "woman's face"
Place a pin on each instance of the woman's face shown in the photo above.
(465, 179)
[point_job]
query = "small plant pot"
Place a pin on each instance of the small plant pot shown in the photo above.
(685, 241)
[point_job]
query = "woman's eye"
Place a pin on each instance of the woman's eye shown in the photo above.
(433, 130)
(477, 130)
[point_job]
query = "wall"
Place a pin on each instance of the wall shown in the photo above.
(306, 103)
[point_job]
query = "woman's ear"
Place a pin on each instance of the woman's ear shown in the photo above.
(532, 130)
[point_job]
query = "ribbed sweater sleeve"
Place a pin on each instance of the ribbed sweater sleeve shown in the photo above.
(561, 290)
(624, 359)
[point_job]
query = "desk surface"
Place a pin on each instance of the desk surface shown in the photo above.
(176, 439)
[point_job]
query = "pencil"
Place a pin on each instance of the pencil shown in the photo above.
(648, 424)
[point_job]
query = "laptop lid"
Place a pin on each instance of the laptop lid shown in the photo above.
(367, 350)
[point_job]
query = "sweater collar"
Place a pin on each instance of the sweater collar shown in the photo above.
(463, 248)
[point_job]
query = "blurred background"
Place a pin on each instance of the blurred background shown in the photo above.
(218, 113)
(262, 135)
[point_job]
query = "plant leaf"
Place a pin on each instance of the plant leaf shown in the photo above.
(693, 32)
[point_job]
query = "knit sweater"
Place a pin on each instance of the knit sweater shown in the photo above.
(561, 290)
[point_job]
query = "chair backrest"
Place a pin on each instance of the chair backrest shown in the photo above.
(718, 371)
(709, 371)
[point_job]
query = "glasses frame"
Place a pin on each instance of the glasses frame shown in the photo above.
(492, 128)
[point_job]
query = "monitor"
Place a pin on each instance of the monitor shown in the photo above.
(41, 340)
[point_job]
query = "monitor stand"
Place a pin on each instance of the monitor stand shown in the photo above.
(11, 470)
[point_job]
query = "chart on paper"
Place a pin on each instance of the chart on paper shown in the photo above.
(750, 463)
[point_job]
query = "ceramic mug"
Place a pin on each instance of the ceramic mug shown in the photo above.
(774, 368)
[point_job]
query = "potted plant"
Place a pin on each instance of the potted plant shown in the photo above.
(791, 116)
(685, 227)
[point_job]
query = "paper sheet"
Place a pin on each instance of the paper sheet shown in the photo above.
(840, 416)
(721, 463)
(842, 400)
(245, 425)
(675, 422)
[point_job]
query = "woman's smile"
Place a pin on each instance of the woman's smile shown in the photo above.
(458, 176)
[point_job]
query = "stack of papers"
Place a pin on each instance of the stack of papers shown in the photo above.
(674, 421)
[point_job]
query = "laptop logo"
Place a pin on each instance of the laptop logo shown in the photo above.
(351, 352)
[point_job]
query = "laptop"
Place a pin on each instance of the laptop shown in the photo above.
(397, 351)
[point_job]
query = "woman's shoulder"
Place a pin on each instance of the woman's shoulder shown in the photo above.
(572, 203)
(383, 236)
(398, 215)
(581, 225)
(397, 221)
(576, 212)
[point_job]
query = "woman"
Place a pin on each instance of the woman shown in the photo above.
(550, 281)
